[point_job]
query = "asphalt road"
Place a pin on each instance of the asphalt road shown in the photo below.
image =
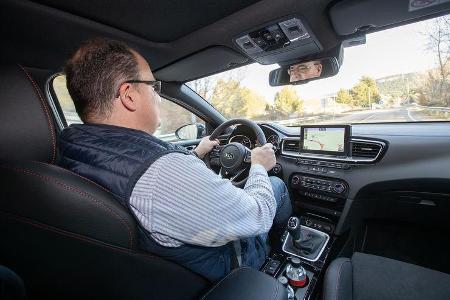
(375, 116)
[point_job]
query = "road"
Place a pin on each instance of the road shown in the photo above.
(379, 115)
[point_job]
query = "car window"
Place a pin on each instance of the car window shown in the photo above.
(173, 116)
(399, 75)
(65, 101)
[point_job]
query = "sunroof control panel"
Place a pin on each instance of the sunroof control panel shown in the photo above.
(283, 40)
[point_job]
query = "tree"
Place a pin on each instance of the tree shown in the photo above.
(365, 92)
(287, 101)
(227, 99)
(344, 97)
(439, 41)
(236, 101)
(203, 87)
(254, 102)
(400, 85)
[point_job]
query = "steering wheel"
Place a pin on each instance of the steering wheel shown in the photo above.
(234, 158)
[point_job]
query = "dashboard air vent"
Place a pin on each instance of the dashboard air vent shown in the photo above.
(291, 146)
(365, 149)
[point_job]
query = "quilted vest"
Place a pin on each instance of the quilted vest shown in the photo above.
(115, 158)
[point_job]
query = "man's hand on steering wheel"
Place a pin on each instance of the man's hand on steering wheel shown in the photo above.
(205, 146)
(264, 156)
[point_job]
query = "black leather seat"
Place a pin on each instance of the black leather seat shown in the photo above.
(65, 236)
(367, 277)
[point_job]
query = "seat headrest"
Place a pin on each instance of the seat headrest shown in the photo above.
(26, 127)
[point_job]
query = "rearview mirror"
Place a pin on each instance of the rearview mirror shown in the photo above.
(190, 131)
(303, 72)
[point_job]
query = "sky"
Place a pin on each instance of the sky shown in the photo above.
(389, 52)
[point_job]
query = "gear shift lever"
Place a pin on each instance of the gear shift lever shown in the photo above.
(305, 242)
(294, 230)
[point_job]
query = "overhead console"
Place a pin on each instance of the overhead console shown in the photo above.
(281, 40)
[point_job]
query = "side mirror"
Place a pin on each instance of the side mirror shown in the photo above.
(303, 72)
(190, 132)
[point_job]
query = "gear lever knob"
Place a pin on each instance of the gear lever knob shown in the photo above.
(293, 228)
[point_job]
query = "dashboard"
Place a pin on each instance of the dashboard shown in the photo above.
(245, 136)
(399, 166)
(274, 139)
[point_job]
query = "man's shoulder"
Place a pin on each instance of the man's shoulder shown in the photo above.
(168, 167)
(175, 160)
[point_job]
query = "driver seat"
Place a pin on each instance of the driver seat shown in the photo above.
(64, 235)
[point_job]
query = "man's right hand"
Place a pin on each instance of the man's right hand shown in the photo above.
(264, 156)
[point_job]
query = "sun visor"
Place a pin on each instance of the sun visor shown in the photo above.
(206, 62)
(352, 16)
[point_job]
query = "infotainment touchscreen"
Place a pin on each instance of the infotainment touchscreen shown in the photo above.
(323, 139)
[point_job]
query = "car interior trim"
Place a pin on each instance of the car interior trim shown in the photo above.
(51, 101)
(337, 158)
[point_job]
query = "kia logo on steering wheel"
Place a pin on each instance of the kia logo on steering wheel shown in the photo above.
(229, 155)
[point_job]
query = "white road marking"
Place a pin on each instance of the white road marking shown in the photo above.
(409, 115)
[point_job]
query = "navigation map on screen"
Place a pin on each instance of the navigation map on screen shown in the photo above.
(324, 139)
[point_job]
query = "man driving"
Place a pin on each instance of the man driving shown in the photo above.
(303, 71)
(185, 212)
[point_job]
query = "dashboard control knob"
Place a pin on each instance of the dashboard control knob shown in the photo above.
(339, 188)
(276, 169)
(295, 179)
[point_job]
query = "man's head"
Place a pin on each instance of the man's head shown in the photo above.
(98, 76)
(303, 71)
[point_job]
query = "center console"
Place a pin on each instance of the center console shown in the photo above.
(321, 154)
(317, 167)
(299, 263)
(320, 161)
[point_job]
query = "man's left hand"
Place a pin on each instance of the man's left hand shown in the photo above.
(205, 146)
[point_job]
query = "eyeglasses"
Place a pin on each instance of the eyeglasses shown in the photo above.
(155, 84)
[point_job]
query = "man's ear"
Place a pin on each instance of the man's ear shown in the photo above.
(127, 97)
(319, 68)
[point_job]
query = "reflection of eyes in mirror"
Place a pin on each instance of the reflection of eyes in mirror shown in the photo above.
(303, 71)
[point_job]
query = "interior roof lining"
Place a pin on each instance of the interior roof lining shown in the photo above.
(25, 43)
(172, 19)
(51, 50)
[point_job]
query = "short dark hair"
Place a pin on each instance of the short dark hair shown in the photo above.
(94, 74)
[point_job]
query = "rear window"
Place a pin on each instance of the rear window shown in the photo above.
(65, 101)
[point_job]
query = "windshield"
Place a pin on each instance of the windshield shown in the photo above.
(399, 75)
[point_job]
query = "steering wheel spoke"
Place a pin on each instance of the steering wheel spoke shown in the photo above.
(248, 155)
(233, 176)
(239, 173)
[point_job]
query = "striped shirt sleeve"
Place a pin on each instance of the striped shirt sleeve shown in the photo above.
(179, 200)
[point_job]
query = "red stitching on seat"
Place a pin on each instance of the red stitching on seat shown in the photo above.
(145, 255)
(63, 232)
(73, 189)
(49, 121)
(73, 173)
